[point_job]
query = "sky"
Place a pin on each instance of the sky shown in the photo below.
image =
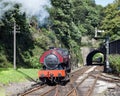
(103, 2)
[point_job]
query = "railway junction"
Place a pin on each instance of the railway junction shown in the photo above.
(89, 80)
(86, 81)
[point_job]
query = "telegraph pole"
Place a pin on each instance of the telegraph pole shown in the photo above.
(14, 42)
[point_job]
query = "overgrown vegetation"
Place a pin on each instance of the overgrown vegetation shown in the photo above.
(98, 58)
(111, 20)
(115, 62)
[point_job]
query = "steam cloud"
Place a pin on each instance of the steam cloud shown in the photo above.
(30, 7)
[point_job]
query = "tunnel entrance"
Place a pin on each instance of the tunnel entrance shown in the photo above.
(96, 57)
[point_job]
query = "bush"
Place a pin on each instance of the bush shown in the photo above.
(4, 62)
(115, 62)
(35, 62)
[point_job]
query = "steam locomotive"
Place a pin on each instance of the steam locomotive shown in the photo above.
(56, 65)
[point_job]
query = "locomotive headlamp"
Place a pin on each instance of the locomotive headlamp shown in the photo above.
(51, 61)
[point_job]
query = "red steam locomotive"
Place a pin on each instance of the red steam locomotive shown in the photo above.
(56, 65)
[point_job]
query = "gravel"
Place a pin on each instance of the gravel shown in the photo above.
(113, 91)
(13, 89)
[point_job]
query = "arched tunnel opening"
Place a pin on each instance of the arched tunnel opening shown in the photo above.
(96, 57)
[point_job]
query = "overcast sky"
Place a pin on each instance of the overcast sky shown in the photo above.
(104, 2)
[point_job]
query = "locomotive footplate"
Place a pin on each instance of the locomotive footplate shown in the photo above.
(51, 73)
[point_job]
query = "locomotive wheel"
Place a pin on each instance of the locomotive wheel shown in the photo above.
(43, 79)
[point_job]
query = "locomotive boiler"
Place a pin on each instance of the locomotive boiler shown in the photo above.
(56, 65)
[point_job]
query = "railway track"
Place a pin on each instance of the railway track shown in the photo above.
(33, 90)
(76, 91)
(82, 83)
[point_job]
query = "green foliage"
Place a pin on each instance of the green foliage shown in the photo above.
(24, 39)
(61, 19)
(98, 56)
(115, 62)
(111, 21)
(86, 15)
(3, 59)
(35, 62)
(76, 33)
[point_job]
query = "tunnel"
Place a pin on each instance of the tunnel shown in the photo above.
(98, 61)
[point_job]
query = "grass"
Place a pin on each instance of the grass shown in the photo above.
(10, 75)
(115, 62)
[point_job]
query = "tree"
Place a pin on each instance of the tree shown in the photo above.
(24, 38)
(111, 21)
(60, 16)
(86, 14)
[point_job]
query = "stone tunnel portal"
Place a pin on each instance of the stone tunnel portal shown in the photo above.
(96, 57)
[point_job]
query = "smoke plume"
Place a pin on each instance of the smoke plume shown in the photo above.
(30, 7)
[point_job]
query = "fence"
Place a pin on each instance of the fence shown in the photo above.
(114, 47)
